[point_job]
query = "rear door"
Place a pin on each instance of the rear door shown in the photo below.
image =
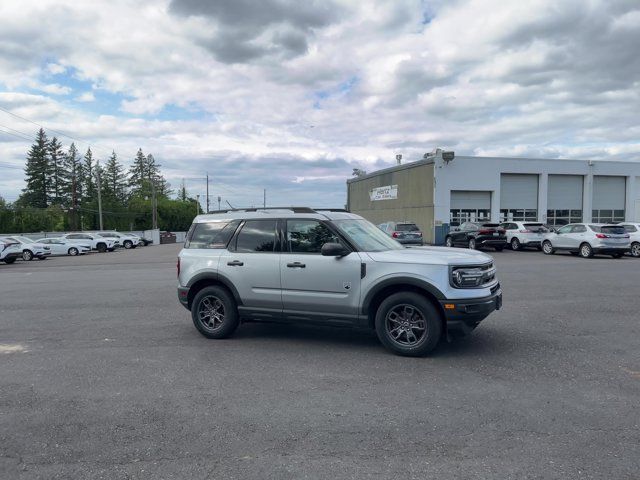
(577, 236)
(614, 236)
(252, 264)
(315, 286)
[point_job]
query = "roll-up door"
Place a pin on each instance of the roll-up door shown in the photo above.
(470, 199)
(469, 206)
(518, 197)
(518, 191)
(609, 197)
(565, 192)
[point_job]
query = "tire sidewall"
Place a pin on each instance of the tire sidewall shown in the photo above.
(590, 250)
(101, 247)
(433, 321)
(545, 250)
(128, 244)
(635, 247)
(27, 255)
(515, 244)
(231, 320)
(73, 251)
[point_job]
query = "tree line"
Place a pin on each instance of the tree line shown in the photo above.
(61, 192)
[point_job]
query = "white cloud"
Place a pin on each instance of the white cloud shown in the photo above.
(86, 97)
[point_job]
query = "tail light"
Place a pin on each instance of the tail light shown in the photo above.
(178, 266)
(601, 235)
(485, 232)
(395, 234)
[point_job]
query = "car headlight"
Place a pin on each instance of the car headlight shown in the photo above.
(467, 277)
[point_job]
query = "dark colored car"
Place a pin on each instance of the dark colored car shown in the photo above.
(477, 235)
(407, 233)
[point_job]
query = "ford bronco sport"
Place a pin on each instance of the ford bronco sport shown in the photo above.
(333, 268)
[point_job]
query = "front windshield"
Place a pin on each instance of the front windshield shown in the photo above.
(366, 236)
(25, 240)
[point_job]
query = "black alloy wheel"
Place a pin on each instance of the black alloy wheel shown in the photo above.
(27, 255)
(214, 312)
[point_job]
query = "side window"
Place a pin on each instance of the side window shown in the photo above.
(85, 237)
(257, 236)
(210, 234)
(308, 236)
(630, 228)
(579, 229)
(565, 229)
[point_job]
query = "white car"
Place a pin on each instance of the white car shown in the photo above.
(10, 250)
(127, 241)
(62, 246)
(31, 248)
(97, 242)
(587, 239)
(524, 234)
(633, 229)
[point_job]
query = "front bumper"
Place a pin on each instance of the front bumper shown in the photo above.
(463, 316)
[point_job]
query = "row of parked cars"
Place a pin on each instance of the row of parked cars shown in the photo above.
(584, 239)
(13, 247)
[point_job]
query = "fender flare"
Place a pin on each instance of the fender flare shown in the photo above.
(216, 278)
(399, 280)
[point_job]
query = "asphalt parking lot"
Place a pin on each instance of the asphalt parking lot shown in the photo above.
(104, 376)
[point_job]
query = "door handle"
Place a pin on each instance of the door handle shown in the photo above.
(235, 263)
(296, 265)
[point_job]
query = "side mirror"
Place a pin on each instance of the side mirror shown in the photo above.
(334, 250)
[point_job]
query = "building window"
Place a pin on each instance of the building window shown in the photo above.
(458, 216)
(518, 215)
(607, 216)
(563, 217)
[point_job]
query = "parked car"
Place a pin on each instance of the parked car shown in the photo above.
(63, 246)
(407, 233)
(98, 243)
(125, 240)
(31, 249)
(10, 250)
(477, 235)
(588, 239)
(633, 229)
(144, 241)
(524, 234)
(331, 268)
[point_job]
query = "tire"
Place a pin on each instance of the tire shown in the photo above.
(73, 251)
(128, 244)
(448, 242)
(586, 251)
(635, 249)
(418, 334)
(515, 244)
(27, 255)
(9, 261)
(101, 247)
(226, 308)
(472, 243)
(499, 249)
(547, 248)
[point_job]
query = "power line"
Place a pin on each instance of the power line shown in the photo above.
(15, 135)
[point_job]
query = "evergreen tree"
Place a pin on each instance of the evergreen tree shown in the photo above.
(155, 177)
(58, 177)
(73, 191)
(183, 196)
(88, 180)
(114, 180)
(138, 175)
(36, 193)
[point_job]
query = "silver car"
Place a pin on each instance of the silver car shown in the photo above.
(406, 233)
(588, 239)
(62, 246)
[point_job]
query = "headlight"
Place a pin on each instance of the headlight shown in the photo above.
(467, 277)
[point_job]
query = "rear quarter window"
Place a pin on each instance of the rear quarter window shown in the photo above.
(407, 227)
(210, 234)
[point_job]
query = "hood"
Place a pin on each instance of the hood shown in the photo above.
(431, 256)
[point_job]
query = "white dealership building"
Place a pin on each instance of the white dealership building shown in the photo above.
(444, 190)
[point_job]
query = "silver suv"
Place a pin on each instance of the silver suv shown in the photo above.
(588, 239)
(330, 267)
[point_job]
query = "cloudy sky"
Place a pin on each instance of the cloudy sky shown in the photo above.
(291, 96)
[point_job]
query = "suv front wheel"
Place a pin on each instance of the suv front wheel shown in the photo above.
(408, 324)
(214, 312)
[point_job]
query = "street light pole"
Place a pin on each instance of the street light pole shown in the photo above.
(207, 192)
(99, 195)
(197, 204)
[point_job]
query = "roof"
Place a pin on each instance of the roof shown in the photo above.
(276, 212)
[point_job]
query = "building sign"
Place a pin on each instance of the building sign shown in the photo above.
(389, 192)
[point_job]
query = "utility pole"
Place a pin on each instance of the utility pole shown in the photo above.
(197, 204)
(99, 194)
(219, 199)
(207, 192)
(74, 200)
(264, 198)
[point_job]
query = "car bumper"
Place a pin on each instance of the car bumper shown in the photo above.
(612, 250)
(183, 296)
(463, 316)
(12, 255)
(412, 241)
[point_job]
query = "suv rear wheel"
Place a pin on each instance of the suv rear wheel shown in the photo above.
(408, 324)
(101, 247)
(547, 248)
(635, 249)
(586, 251)
(448, 242)
(214, 312)
(128, 244)
(515, 244)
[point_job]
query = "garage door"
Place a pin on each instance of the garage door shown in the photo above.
(564, 199)
(518, 197)
(469, 206)
(608, 198)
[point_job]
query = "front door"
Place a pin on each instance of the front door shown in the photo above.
(562, 239)
(252, 264)
(315, 287)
